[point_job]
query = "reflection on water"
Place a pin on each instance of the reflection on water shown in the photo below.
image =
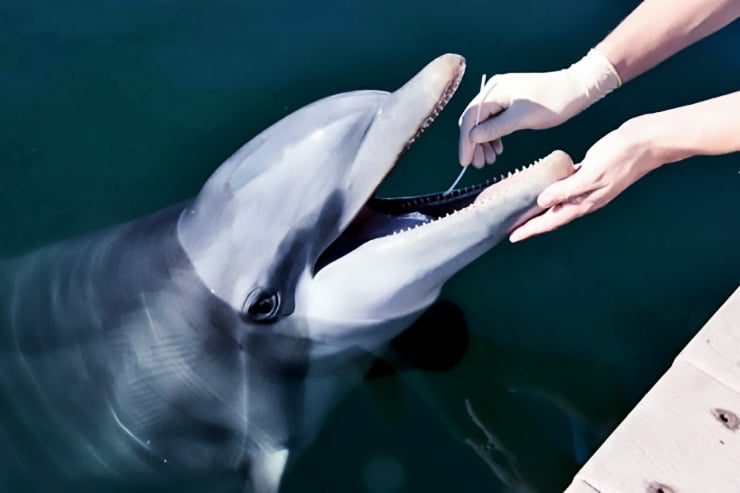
(493, 399)
(111, 110)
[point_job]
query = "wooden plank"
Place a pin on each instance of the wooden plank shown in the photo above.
(675, 440)
(716, 348)
(580, 486)
(684, 435)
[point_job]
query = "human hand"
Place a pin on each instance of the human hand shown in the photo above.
(611, 165)
(516, 101)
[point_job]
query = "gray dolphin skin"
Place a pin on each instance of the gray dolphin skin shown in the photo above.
(204, 344)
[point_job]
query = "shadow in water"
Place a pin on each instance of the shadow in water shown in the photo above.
(531, 417)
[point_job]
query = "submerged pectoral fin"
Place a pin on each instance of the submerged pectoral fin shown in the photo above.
(265, 472)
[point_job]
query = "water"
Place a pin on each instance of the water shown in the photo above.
(110, 110)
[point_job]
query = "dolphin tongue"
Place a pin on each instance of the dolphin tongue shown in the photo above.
(384, 216)
(381, 217)
(368, 225)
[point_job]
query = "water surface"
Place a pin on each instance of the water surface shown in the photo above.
(110, 110)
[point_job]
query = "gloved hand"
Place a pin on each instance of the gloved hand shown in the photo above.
(516, 101)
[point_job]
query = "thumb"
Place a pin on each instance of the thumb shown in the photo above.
(502, 123)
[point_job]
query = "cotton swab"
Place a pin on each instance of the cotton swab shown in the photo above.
(477, 120)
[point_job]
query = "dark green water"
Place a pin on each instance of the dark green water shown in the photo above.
(110, 110)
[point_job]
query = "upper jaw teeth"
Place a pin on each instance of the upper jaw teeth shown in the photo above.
(485, 191)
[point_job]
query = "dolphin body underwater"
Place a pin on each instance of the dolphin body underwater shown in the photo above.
(205, 342)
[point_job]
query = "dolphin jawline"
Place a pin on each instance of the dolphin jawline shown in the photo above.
(384, 216)
(204, 340)
(381, 217)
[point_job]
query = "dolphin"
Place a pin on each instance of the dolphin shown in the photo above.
(206, 342)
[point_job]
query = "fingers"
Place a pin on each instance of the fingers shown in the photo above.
(486, 153)
(482, 107)
(487, 133)
(496, 126)
(560, 213)
(565, 201)
(568, 190)
(552, 219)
(479, 158)
(466, 147)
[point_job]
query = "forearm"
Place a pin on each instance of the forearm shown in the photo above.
(657, 29)
(709, 127)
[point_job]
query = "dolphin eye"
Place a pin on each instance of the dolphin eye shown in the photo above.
(261, 306)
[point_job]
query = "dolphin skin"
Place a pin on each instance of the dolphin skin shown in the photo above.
(204, 344)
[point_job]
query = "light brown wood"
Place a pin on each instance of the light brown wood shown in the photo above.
(674, 439)
(716, 348)
(684, 435)
(579, 486)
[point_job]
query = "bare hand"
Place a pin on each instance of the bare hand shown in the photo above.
(611, 165)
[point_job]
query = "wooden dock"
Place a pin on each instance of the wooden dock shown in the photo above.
(683, 436)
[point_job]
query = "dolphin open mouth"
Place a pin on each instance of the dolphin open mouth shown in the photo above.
(382, 217)
(388, 258)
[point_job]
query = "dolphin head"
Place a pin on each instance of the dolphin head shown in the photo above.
(286, 228)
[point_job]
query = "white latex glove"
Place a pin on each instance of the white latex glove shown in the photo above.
(516, 101)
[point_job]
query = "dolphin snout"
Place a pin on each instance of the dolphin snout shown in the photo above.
(532, 179)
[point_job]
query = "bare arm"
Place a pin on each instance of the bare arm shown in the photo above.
(657, 29)
(709, 127)
(654, 31)
(637, 147)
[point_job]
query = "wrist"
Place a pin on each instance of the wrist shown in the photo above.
(595, 74)
(645, 142)
(664, 137)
